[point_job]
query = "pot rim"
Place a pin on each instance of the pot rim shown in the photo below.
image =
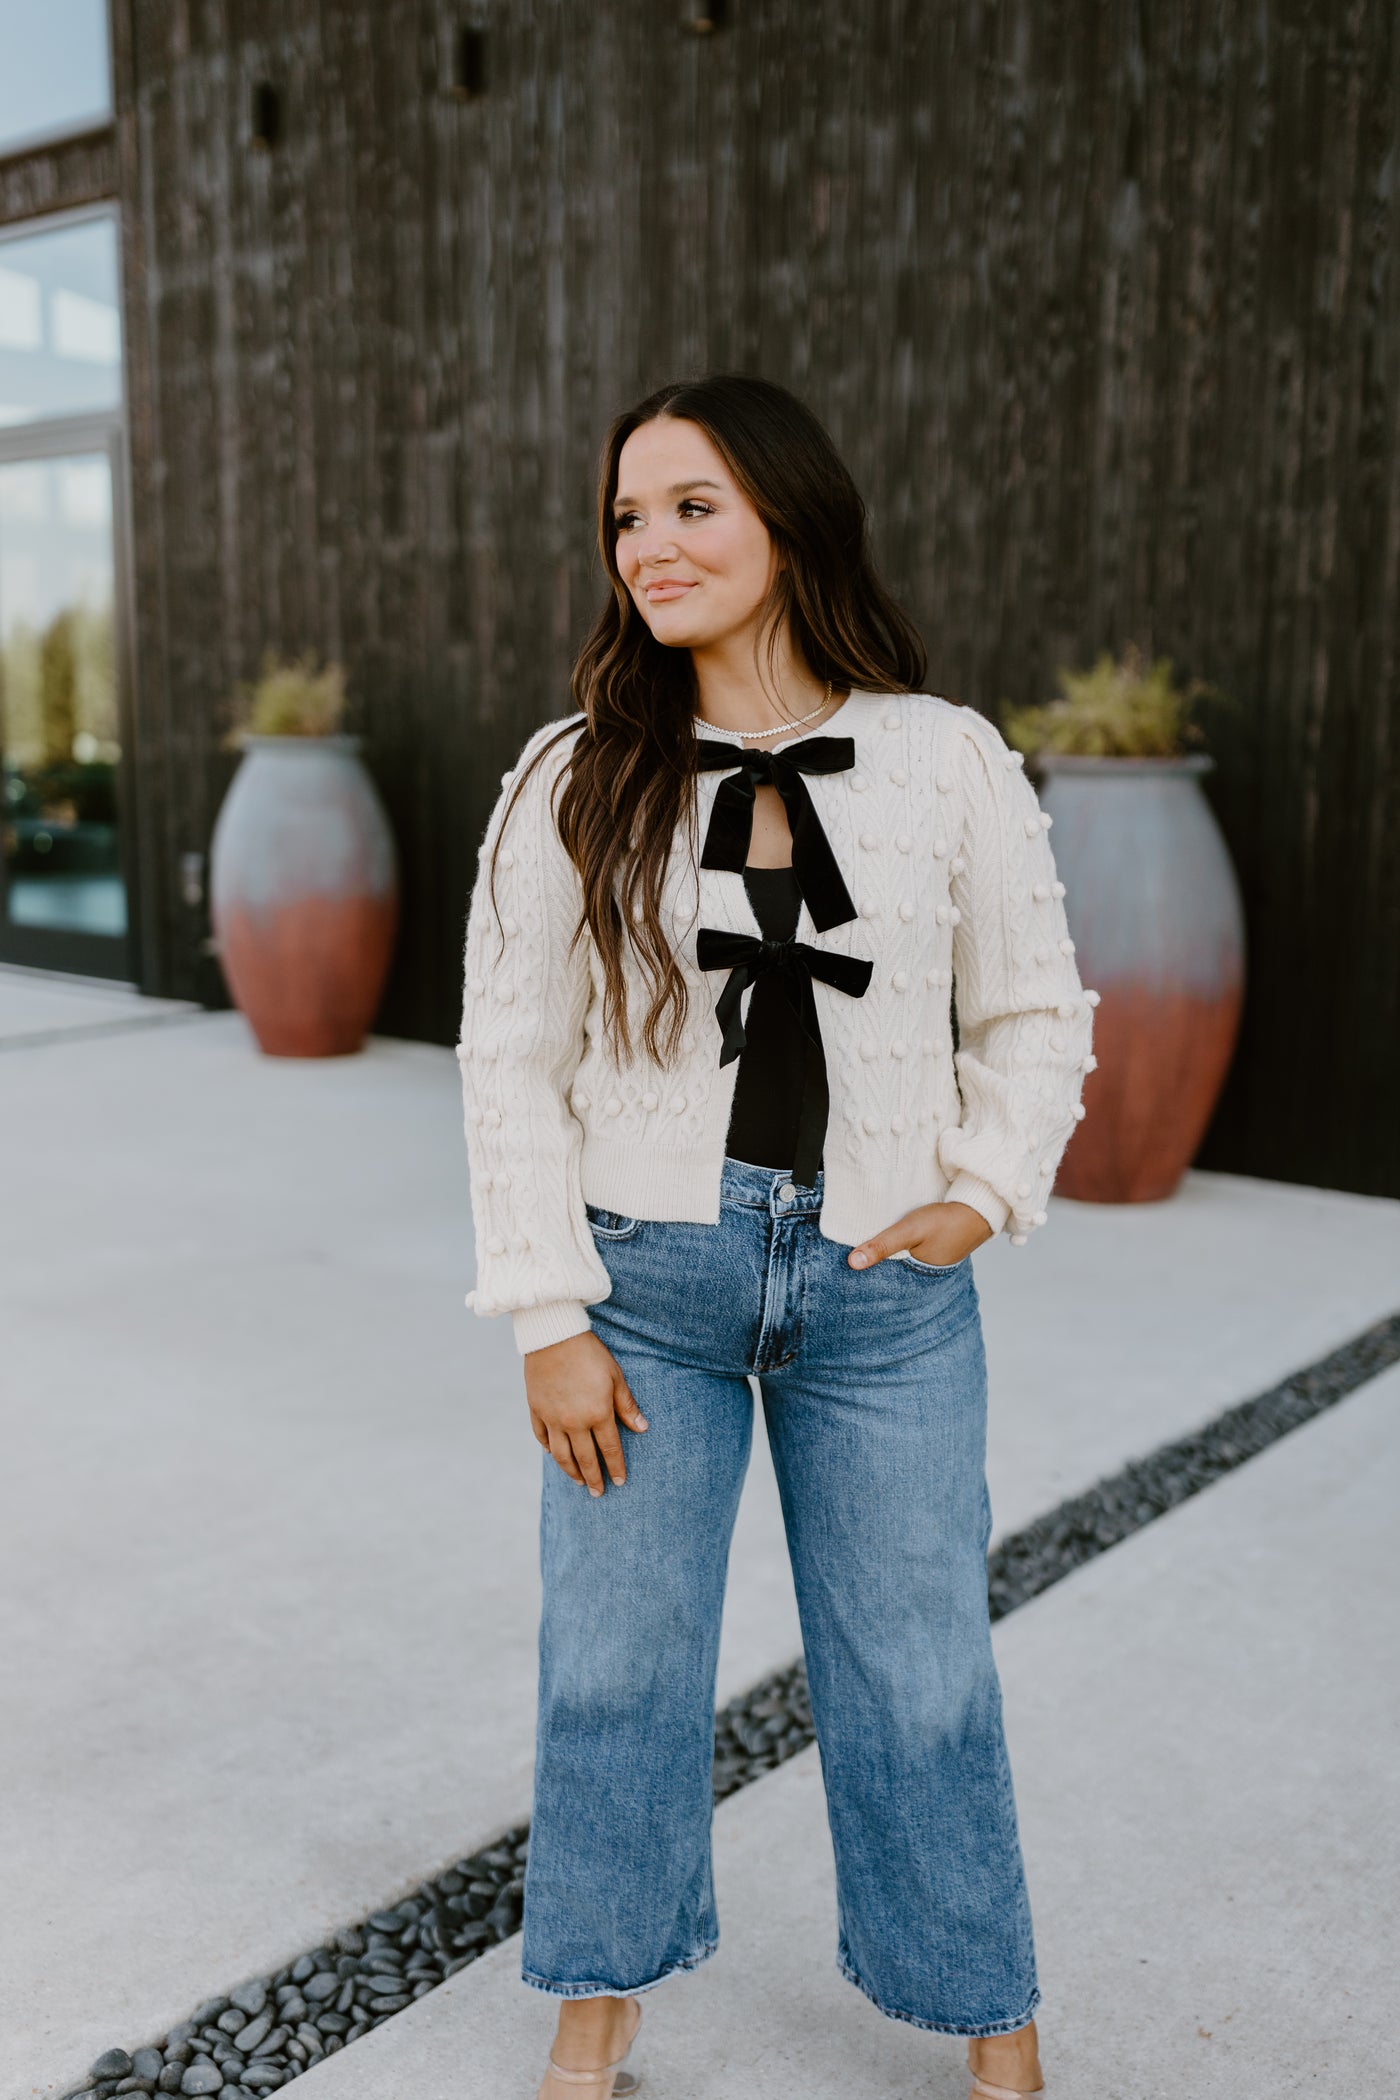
(339, 740)
(1191, 762)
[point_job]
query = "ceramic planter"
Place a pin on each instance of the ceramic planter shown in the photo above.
(304, 894)
(1155, 910)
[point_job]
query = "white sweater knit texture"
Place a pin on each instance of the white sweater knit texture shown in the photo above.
(945, 851)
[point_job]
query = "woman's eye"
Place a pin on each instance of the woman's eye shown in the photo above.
(689, 507)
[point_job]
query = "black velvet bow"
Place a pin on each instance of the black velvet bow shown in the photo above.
(796, 963)
(730, 830)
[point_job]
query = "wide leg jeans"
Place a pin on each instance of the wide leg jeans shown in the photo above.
(874, 1391)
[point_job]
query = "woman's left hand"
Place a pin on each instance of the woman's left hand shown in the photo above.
(935, 1232)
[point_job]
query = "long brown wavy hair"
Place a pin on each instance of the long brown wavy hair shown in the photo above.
(631, 775)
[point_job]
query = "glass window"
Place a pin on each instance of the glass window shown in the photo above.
(58, 696)
(60, 322)
(55, 77)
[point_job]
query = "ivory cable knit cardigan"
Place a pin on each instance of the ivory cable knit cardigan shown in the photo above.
(944, 849)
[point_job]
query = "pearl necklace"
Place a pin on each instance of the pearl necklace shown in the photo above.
(776, 728)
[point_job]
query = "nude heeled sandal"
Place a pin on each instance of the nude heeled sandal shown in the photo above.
(1001, 2092)
(611, 2082)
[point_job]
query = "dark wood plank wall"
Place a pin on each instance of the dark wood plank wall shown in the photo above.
(1101, 301)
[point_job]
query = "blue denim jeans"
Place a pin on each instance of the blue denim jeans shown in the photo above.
(874, 1390)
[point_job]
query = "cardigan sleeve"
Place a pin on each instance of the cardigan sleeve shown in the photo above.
(1025, 1022)
(525, 996)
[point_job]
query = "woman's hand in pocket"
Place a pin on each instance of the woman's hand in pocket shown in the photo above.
(938, 1233)
(577, 1395)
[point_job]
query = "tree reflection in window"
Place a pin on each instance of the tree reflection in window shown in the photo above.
(58, 704)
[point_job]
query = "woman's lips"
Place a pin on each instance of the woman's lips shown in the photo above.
(658, 593)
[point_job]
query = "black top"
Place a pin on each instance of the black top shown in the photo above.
(771, 1104)
(781, 1106)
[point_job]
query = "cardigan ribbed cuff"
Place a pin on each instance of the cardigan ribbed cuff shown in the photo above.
(536, 1326)
(979, 1195)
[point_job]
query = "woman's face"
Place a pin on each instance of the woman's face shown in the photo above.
(691, 548)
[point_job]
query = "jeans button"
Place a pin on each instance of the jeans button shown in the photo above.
(786, 1191)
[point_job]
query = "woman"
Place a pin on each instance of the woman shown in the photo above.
(719, 1124)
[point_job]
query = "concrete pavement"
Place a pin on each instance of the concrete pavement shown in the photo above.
(42, 1005)
(269, 1500)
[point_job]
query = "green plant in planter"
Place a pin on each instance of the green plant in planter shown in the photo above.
(1117, 710)
(291, 696)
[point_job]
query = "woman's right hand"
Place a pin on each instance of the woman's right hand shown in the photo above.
(577, 1394)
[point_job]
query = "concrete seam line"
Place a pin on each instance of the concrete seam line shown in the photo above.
(268, 2030)
(86, 1031)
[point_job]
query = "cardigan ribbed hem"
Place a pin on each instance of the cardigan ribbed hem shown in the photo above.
(980, 1196)
(536, 1326)
(653, 1181)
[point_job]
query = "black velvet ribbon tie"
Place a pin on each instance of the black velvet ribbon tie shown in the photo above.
(795, 963)
(730, 832)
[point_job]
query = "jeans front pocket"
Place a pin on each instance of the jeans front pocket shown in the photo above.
(611, 1224)
(928, 1268)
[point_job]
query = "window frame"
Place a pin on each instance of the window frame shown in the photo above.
(54, 437)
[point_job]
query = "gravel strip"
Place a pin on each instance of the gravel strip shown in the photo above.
(272, 2028)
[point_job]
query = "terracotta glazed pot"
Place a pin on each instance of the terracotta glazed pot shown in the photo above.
(304, 894)
(1155, 911)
